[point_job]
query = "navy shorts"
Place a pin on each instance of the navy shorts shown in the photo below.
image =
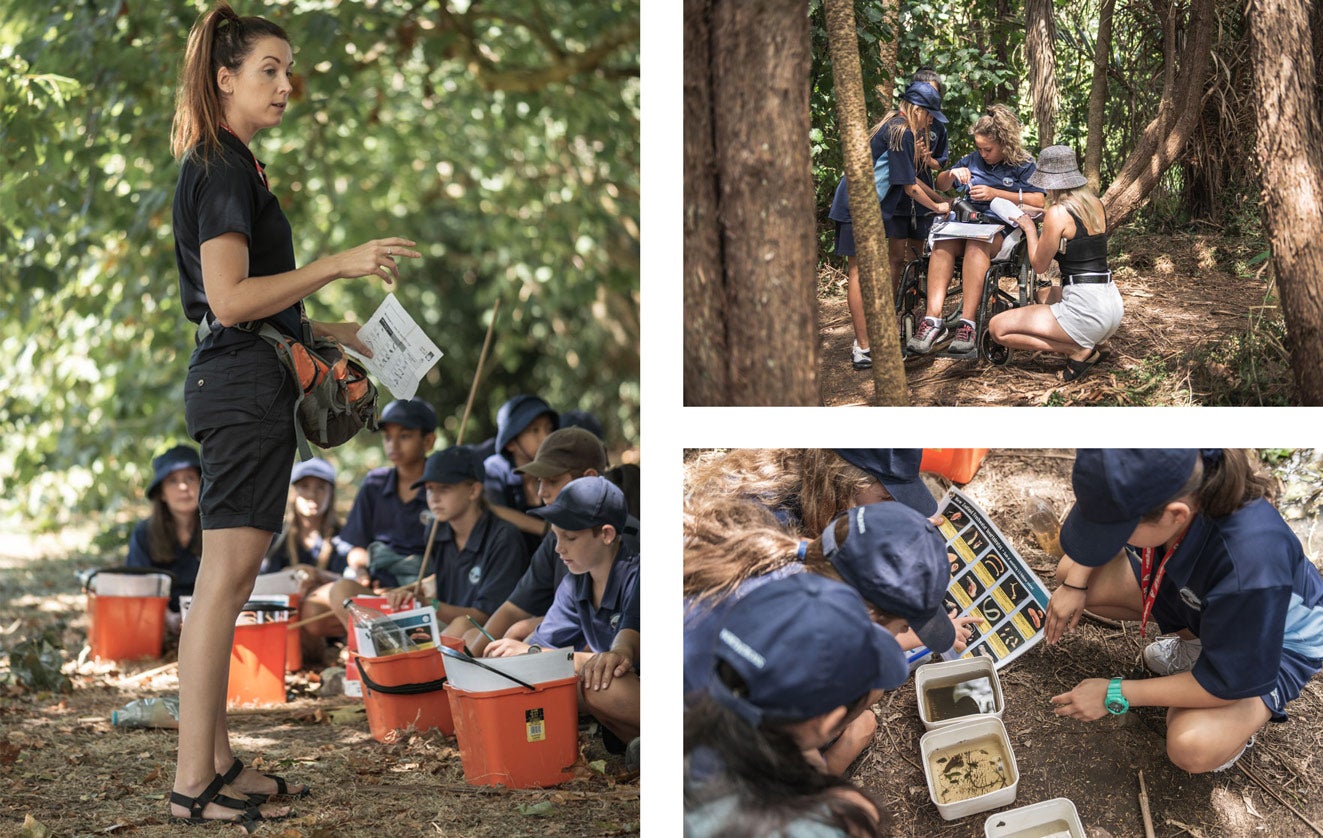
(239, 406)
(914, 227)
(844, 238)
(1293, 672)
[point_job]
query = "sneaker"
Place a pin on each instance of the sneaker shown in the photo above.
(1232, 761)
(964, 337)
(632, 755)
(862, 359)
(1171, 655)
(931, 330)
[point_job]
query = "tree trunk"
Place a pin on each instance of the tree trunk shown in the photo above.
(1290, 147)
(1178, 114)
(1102, 57)
(1040, 51)
(887, 52)
(751, 335)
(1002, 39)
(847, 78)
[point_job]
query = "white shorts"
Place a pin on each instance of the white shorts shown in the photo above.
(1089, 313)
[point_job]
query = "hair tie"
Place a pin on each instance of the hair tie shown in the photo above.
(802, 551)
(1210, 456)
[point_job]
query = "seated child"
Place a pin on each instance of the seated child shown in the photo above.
(596, 610)
(171, 537)
(476, 558)
(777, 690)
(565, 455)
(521, 425)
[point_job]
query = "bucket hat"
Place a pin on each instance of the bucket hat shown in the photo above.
(1057, 169)
(180, 456)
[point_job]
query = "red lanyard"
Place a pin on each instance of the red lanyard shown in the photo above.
(1146, 575)
(260, 171)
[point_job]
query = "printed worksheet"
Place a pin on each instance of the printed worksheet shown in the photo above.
(990, 580)
(402, 353)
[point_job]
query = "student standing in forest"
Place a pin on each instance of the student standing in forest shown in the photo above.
(235, 253)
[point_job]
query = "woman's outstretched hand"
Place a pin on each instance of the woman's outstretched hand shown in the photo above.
(376, 257)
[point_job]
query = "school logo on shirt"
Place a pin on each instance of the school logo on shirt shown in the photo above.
(932, 137)
(475, 575)
(615, 621)
(1008, 182)
(1190, 599)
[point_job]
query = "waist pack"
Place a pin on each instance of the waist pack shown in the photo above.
(336, 398)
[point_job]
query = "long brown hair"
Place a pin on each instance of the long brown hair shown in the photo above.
(812, 484)
(163, 538)
(220, 38)
(294, 532)
(1220, 486)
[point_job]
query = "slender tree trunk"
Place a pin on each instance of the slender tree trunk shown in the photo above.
(1178, 114)
(1040, 51)
(1001, 26)
(1290, 148)
(751, 335)
(887, 51)
(888, 367)
(1102, 57)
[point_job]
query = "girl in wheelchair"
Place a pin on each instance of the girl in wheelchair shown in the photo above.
(1001, 167)
(1086, 309)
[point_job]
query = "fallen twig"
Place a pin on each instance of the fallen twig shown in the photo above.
(143, 676)
(1262, 784)
(1143, 807)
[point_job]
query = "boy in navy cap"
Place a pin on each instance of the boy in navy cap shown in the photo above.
(565, 455)
(596, 610)
(477, 558)
(1188, 538)
(791, 665)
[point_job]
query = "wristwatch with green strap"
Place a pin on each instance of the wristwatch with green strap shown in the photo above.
(1116, 703)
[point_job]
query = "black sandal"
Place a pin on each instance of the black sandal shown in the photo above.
(1078, 369)
(211, 794)
(257, 797)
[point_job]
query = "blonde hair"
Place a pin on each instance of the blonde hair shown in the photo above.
(813, 484)
(911, 114)
(1084, 204)
(1000, 125)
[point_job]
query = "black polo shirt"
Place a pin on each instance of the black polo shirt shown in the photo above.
(228, 195)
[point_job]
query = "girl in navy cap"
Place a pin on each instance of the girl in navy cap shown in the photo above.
(999, 168)
(763, 708)
(171, 537)
(1189, 539)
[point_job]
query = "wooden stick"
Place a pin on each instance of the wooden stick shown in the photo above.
(477, 374)
(1143, 807)
(142, 676)
(1256, 778)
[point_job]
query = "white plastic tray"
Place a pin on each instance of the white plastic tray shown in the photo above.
(949, 673)
(976, 728)
(1015, 822)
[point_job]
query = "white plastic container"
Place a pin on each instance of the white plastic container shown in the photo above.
(537, 668)
(948, 674)
(970, 732)
(1051, 817)
(130, 584)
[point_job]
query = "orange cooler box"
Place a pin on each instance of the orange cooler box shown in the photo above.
(959, 465)
(518, 738)
(257, 659)
(404, 692)
(126, 613)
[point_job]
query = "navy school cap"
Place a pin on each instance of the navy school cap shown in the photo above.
(897, 561)
(803, 645)
(925, 96)
(314, 467)
(453, 465)
(585, 503)
(411, 413)
(897, 469)
(518, 413)
(181, 456)
(1114, 489)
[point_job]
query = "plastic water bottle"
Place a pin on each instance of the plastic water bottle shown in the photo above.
(388, 637)
(148, 712)
(1045, 525)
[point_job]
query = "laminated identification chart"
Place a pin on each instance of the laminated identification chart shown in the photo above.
(989, 580)
(402, 353)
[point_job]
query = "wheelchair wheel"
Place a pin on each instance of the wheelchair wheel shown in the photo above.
(994, 302)
(910, 299)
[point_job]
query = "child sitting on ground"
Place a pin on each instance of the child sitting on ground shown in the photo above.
(596, 610)
(171, 538)
(476, 557)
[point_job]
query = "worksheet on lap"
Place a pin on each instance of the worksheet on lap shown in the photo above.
(402, 353)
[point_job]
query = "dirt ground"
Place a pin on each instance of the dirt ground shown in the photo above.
(66, 768)
(1097, 765)
(1183, 294)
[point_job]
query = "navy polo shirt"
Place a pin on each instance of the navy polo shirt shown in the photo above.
(572, 619)
(903, 173)
(184, 566)
(378, 514)
(481, 575)
(536, 589)
(227, 195)
(1243, 586)
(1001, 176)
(877, 146)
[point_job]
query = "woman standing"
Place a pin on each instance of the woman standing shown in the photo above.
(235, 253)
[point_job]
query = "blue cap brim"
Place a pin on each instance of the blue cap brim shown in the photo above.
(893, 668)
(1093, 544)
(937, 631)
(937, 115)
(912, 493)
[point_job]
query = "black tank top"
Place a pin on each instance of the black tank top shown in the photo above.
(1084, 254)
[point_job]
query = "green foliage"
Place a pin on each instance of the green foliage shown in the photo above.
(504, 141)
